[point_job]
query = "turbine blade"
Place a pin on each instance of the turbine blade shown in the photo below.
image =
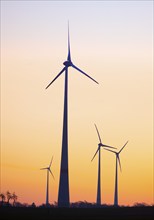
(44, 168)
(95, 153)
(83, 73)
(51, 174)
(110, 150)
(98, 134)
(69, 51)
(118, 158)
(56, 77)
(123, 147)
(51, 162)
(104, 145)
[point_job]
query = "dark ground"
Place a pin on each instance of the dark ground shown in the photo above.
(107, 213)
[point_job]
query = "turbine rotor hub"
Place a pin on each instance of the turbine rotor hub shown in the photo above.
(67, 63)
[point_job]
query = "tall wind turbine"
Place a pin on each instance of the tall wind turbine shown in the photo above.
(47, 189)
(116, 173)
(63, 194)
(100, 144)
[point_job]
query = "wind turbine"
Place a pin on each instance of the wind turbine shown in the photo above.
(100, 144)
(63, 194)
(47, 189)
(116, 173)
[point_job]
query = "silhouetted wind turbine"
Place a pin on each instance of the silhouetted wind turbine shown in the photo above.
(47, 189)
(98, 199)
(63, 194)
(116, 173)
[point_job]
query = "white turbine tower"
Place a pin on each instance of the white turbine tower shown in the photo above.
(63, 194)
(116, 173)
(47, 187)
(98, 198)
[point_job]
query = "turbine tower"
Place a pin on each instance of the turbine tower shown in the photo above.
(63, 194)
(116, 173)
(47, 189)
(98, 199)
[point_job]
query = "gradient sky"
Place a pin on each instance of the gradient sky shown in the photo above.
(112, 41)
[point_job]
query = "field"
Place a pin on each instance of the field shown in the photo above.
(106, 213)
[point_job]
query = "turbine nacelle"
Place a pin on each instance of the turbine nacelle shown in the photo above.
(67, 63)
(104, 145)
(100, 145)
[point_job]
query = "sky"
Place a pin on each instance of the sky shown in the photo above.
(112, 41)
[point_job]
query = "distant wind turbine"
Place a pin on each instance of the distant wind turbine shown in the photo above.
(116, 173)
(47, 189)
(63, 194)
(98, 199)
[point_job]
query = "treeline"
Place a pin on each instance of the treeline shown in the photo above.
(10, 199)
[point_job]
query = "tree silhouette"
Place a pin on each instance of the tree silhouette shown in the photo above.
(9, 196)
(2, 196)
(14, 197)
